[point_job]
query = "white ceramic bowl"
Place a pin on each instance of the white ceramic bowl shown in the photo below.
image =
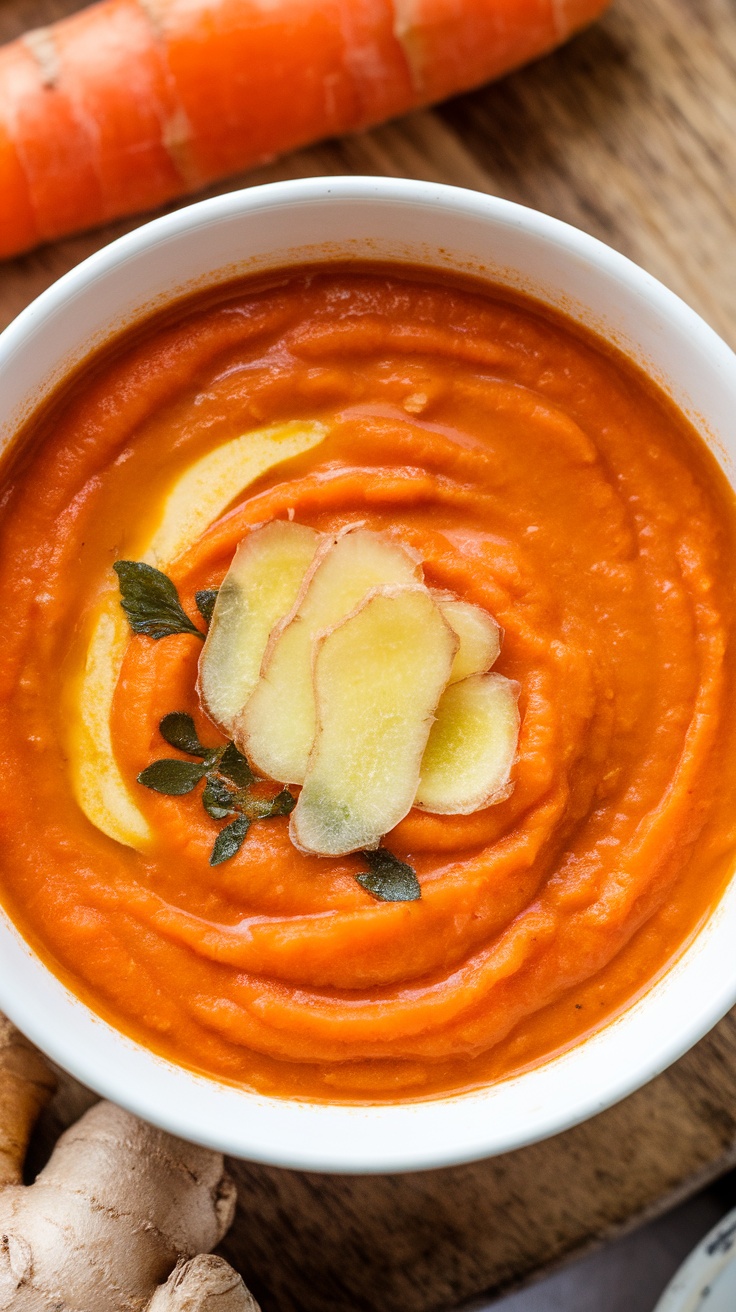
(387, 219)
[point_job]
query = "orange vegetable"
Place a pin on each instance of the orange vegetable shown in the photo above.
(130, 103)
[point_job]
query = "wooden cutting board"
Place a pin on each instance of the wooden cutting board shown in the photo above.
(630, 133)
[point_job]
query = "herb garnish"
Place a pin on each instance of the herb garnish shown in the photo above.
(216, 798)
(235, 767)
(228, 784)
(230, 840)
(172, 777)
(178, 730)
(389, 879)
(206, 602)
(151, 601)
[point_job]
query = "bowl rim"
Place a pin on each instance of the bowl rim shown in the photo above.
(339, 1137)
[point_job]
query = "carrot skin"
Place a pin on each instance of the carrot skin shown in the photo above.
(376, 61)
(53, 149)
(453, 45)
(280, 76)
(131, 103)
(272, 74)
(119, 84)
(18, 229)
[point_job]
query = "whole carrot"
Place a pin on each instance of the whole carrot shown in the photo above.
(130, 103)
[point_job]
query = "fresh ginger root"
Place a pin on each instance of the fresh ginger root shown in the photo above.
(26, 1084)
(119, 1206)
(204, 1284)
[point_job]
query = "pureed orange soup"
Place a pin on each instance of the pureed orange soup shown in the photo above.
(539, 476)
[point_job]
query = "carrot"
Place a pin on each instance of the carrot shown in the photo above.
(131, 103)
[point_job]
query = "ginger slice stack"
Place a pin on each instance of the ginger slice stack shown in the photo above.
(333, 666)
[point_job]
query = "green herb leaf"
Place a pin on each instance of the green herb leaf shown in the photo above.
(282, 804)
(229, 840)
(265, 808)
(178, 730)
(221, 791)
(174, 778)
(256, 808)
(206, 602)
(234, 766)
(217, 799)
(389, 879)
(150, 601)
(214, 811)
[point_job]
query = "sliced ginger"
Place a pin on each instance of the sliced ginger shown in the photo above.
(479, 634)
(378, 676)
(276, 728)
(472, 746)
(260, 587)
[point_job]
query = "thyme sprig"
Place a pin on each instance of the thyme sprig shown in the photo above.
(228, 784)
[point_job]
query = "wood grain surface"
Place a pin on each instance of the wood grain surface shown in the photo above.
(630, 133)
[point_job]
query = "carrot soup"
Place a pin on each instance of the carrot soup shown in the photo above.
(367, 683)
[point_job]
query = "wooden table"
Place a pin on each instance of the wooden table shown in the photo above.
(630, 133)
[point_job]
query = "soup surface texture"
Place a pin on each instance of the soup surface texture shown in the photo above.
(538, 475)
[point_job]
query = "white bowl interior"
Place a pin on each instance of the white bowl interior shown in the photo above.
(381, 219)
